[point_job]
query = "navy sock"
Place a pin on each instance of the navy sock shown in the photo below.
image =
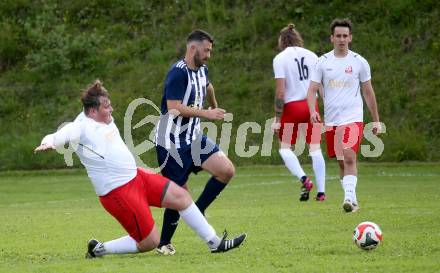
(211, 191)
(170, 222)
(303, 179)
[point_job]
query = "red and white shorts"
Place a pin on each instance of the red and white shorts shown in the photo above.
(130, 203)
(296, 116)
(348, 136)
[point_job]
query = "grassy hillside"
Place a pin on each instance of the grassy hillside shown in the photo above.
(51, 49)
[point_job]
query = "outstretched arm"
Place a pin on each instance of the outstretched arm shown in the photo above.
(46, 144)
(69, 133)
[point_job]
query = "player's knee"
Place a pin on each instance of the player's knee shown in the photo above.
(227, 173)
(182, 199)
(230, 172)
(185, 199)
(349, 161)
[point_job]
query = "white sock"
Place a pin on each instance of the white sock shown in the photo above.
(292, 163)
(355, 201)
(349, 184)
(319, 169)
(121, 245)
(195, 219)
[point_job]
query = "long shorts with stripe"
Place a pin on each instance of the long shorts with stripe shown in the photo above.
(130, 203)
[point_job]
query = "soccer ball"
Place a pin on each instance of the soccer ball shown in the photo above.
(367, 235)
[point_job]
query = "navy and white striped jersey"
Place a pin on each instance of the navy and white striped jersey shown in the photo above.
(188, 86)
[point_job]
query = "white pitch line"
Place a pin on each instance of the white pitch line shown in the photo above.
(383, 174)
(242, 185)
(51, 202)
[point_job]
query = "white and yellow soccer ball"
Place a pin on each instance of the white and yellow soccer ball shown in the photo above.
(367, 235)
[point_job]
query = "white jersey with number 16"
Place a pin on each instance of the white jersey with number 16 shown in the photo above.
(295, 64)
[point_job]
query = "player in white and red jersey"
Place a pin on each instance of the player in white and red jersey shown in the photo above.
(343, 74)
(124, 190)
(292, 69)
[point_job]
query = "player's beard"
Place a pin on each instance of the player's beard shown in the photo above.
(197, 60)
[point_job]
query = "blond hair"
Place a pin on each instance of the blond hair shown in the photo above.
(289, 36)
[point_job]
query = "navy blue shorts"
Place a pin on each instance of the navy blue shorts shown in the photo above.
(177, 164)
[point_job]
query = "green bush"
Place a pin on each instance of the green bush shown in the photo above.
(52, 49)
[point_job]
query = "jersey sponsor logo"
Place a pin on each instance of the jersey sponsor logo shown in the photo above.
(339, 84)
(349, 69)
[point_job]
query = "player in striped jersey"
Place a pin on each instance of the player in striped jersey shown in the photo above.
(181, 147)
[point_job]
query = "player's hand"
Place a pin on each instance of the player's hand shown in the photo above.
(43, 147)
(215, 114)
(315, 117)
(377, 128)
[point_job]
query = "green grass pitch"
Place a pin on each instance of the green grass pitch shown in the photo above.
(47, 218)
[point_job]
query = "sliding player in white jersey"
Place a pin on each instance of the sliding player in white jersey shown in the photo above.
(343, 73)
(124, 190)
(292, 69)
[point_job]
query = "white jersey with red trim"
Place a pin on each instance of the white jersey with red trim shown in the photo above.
(294, 64)
(341, 79)
(99, 146)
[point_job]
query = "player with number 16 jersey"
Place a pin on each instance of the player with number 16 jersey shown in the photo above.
(292, 71)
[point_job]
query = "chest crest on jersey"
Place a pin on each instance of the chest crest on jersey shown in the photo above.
(349, 70)
(111, 135)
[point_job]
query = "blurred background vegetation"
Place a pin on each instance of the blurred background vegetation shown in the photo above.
(51, 49)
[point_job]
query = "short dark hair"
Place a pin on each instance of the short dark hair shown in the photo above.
(199, 35)
(289, 36)
(90, 96)
(341, 23)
